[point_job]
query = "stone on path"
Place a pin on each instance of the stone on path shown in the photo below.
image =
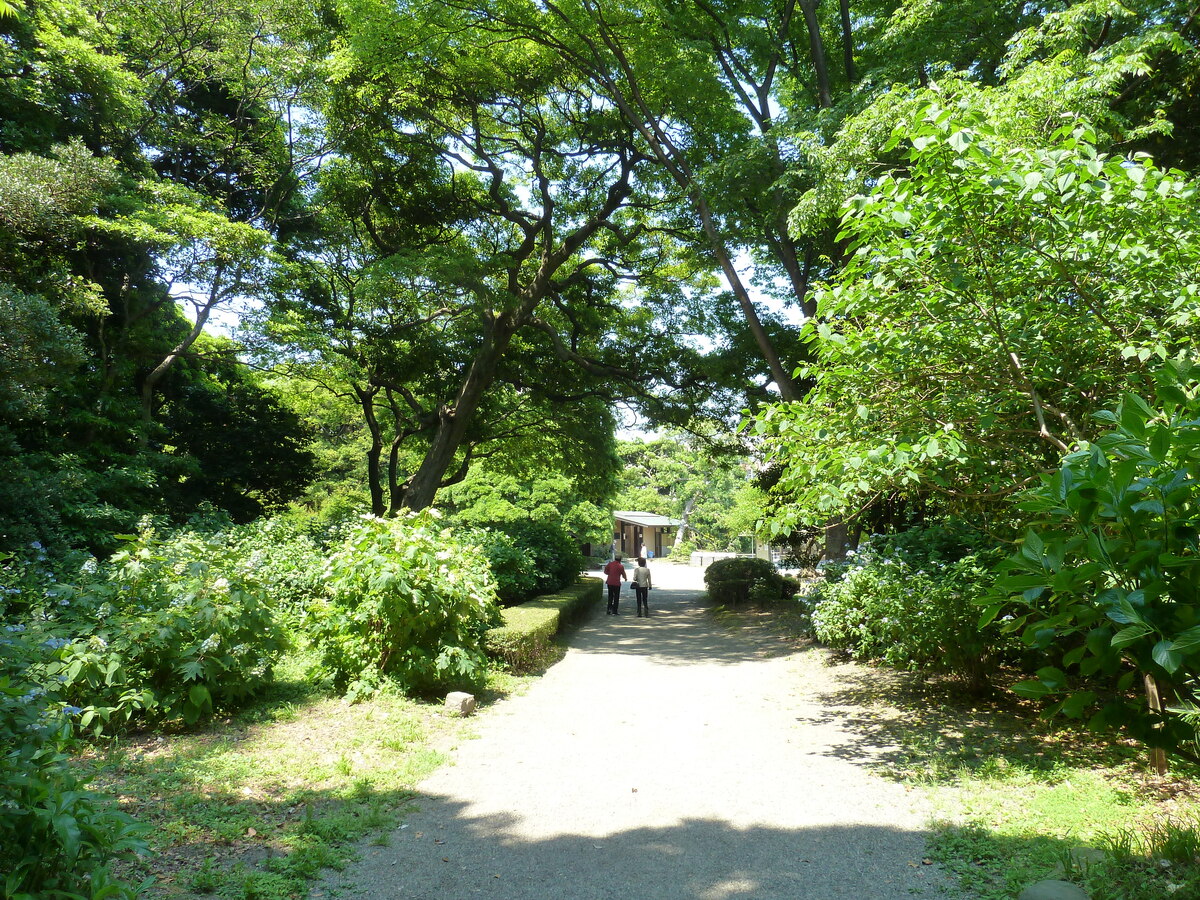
(1053, 889)
(460, 703)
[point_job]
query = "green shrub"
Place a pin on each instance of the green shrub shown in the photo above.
(529, 558)
(557, 559)
(170, 627)
(1107, 580)
(737, 579)
(284, 560)
(57, 838)
(406, 602)
(681, 551)
(882, 608)
(522, 642)
(513, 568)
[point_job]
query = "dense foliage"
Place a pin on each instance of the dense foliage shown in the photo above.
(705, 483)
(912, 601)
(739, 578)
(530, 558)
(922, 264)
(998, 296)
(128, 194)
(406, 602)
(56, 836)
(1105, 583)
(171, 627)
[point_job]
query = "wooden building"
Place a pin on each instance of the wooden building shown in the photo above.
(635, 531)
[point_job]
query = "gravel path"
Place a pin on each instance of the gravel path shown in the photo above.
(664, 758)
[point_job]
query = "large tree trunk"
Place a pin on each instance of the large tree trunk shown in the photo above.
(366, 398)
(630, 99)
(835, 539)
(454, 420)
(681, 532)
(817, 50)
(848, 42)
(788, 389)
(156, 375)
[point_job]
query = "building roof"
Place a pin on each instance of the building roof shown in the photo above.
(647, 520)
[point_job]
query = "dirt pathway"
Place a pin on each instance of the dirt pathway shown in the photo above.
(662, 758)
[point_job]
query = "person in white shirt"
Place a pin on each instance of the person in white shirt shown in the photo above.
(641, 586)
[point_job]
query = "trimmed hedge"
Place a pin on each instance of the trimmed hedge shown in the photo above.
(523, 641)
(735, 580)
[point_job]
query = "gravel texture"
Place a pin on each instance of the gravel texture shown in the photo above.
(664, 757)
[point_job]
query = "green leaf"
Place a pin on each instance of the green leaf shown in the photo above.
(191, 670)
(1075, 705)
(1160, 443)
(1033, 547)
(1151, 506)
(989, 614)
(1187, 639)
(1052, 677)
(961, 140)
(1123, 613)
(1034, 690)
(1128, 635)
(1165, 655)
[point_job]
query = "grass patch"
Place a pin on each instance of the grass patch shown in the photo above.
(1019, 799)
(255, 806)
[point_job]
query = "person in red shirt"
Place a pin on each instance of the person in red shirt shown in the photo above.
(614, 574)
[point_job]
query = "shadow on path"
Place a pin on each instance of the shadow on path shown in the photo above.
(443, 852)
(678, 631)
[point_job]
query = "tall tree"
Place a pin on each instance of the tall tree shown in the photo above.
(1000, 293)
(517, 268)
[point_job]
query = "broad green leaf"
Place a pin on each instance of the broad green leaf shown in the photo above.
(1186, 640)
(1075, 705)
(1165, 655)
(1035, 690)
(1051, 676)
(1130, 634)
(1123, 613)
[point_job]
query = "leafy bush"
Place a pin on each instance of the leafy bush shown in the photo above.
(177, 626)
(529, 558)
(881, 607)
(557, 559)
(681, 551)
(1108, 578)
(513, 569)
(56, 837)
(406, 602)
(736, 579)
(284, 560)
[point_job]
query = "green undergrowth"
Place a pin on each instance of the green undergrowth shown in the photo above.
(255, 806)
(1016, 798)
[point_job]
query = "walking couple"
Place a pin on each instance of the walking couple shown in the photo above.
(615, 573)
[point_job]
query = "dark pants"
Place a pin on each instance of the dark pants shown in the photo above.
(643, 598)
(614, 597)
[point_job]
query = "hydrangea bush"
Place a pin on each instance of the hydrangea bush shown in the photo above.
(900, 603)
(170, 627)
(406, 602)
(57, 838)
